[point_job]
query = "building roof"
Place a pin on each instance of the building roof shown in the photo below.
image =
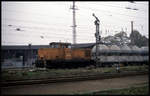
(23, 47)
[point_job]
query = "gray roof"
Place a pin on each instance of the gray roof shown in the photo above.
(145, 48)
(23, 47)
(103, 48)
(114, 47)
(135, 47)
(125, 47)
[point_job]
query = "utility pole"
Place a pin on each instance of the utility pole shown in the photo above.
(131, 26)
(29, 56)
(122, 29)
(98, 38)
(132, 41)
(126, 29)
(74, 22)
(23, 60)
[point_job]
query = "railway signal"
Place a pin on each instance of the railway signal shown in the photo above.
(98, 38)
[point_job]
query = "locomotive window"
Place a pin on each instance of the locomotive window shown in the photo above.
(52, 46)
(69, 46)
(56, 46)
(87, 53)
(64, 46)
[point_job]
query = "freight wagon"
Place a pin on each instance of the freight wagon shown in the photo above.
(123, 54)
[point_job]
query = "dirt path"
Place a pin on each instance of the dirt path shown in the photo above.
(76, 87)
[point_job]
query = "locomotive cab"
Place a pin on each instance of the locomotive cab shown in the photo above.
(64, 49)
(60, 45)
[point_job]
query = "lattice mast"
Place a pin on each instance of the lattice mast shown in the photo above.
(74, 22)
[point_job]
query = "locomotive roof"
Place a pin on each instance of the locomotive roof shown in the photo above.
(60, 43)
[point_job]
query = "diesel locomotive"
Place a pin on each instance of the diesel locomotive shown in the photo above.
(61, 55)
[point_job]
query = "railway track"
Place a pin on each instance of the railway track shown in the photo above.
(71, 78)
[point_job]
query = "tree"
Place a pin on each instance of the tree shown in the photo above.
(121, 34)
(138, 39)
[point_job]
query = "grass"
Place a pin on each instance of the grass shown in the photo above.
(135, 68)
(49, 73)
(143, 89)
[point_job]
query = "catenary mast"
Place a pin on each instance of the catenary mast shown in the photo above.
(74, 23)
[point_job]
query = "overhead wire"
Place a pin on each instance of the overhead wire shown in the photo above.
(105, 15)
(141, 3)
(79, 26)
(80, 29)
(50, 31)
(111, 12)
(31, 21)
(33, 14)
(41, 34)
(105, 10)
(42, 28)
(47, 36)
(116, 6)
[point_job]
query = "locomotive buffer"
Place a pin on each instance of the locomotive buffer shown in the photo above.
(98, 38)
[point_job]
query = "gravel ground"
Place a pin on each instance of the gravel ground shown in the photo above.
(76, 87)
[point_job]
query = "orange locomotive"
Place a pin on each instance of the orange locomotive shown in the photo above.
(61, 55)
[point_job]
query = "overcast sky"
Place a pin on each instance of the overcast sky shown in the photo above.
(45, 22)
